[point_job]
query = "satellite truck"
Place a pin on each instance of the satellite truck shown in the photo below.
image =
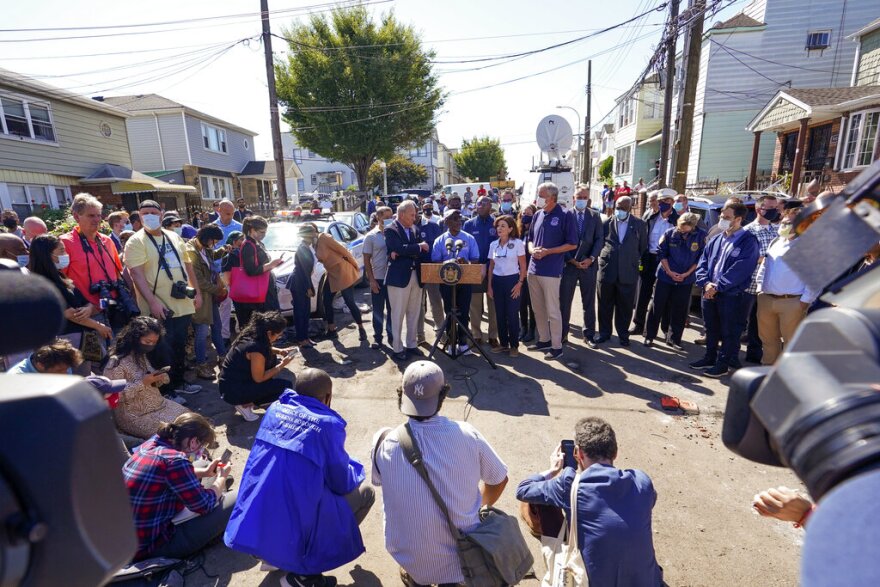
(554, 138)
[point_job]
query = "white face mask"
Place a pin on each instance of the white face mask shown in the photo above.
(151, 221)
(724, 224)
(63, 261)
(541, 202)
(127, 227)
(178, 230)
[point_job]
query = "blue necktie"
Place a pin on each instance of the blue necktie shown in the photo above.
(580, 223)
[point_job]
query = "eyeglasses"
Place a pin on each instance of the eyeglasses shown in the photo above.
(498, 254)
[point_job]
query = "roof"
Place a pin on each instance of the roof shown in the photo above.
(813, 103)
(872, 26)
(156, 104)
(43, 90)
(126, 180)
(267, 169)
(815, 97)
(737, 21)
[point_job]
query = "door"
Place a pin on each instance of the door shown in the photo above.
(817, 151)
(786, 158)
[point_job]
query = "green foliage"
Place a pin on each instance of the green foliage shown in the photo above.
(402, 174)
(481, 159)
(54, 217)
(351, 188)
(606, 170)
(356, 90)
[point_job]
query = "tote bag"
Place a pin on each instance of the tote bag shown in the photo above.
(248, 289)
(565, 565)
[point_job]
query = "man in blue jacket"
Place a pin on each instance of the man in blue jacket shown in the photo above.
(724, 273)
(301, 496)
(482, 228)
(613, 508)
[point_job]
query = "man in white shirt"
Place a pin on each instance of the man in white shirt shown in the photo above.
(461, 464)
(783, 298)
(376, 266)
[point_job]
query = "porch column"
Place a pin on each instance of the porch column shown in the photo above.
(753, 168)
(799, 157)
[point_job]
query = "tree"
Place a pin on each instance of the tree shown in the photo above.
(356, 90)
(481, 158)
(402, 174)
(606, 170)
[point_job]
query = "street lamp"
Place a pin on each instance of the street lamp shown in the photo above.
(579, 158)
(384, 167)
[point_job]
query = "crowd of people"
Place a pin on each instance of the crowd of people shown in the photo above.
(136, 296)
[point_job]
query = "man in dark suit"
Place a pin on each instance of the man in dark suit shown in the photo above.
(405, 247)
(580, 266)
(626, 240)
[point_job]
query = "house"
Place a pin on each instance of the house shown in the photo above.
(825, 134)
(51, 140)
(770, 46)
(183, 146)
(602, 147)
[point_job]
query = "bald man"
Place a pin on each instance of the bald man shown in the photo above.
(13, 248)
(32, 227)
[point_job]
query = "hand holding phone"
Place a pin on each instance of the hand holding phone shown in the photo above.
(568, 459)
(162, 371)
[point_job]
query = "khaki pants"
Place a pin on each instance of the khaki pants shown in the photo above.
(431, 291)
(778, 318)
(477, 316)
(545, 303)
(405, 306)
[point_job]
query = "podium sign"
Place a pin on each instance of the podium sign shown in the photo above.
(453, 273)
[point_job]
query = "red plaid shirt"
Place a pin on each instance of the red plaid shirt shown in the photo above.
(161, 482)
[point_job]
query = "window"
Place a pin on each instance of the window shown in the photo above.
(314, 179)
(817, 40)
(860, 138)
(301, 185)
(215, 188)
(25, 199)
(23, 118)
(298, 155)
(626, 112)
(354, 178)
(622, 161)
(62, 196)
(213, 138)
(652, 107)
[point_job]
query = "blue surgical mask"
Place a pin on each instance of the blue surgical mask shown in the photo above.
(22, 260)
(127, 227)
(63, 262)
(664, 207)
(506, 206)
(678, 206)
(621, 214)
(388, 222)
(581, 205)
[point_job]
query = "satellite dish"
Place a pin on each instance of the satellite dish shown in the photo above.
(554, 136)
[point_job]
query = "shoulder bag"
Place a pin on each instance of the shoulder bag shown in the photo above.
(248, 289)
(494, 553)
(565, 565)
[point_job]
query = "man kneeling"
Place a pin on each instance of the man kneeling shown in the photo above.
(301, 496)
(614, 508)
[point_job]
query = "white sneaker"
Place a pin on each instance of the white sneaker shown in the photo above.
(189, 388)
(247, 413)
(463, 348)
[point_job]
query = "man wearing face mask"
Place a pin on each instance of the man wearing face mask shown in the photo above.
(658, 222)
(626, 240)
(765, 227)
(580, 266)
(376, 266)
(157, 262)
(724, 273)
(429, 229)
(681, 204)
(13, 249)
(482, 228)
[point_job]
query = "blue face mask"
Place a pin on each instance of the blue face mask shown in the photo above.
(678, 206)
(506, 206)
(526, 219)
(621, 214)
(388, 222)
(664, 207)
(581, 205)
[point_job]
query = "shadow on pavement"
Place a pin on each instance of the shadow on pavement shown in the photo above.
(225, 562)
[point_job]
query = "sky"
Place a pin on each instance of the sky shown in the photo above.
(213, 67)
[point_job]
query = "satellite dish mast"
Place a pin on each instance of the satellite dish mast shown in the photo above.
(554, 137)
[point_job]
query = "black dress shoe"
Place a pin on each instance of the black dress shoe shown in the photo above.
(401, 356)
(649, 342)
(590, 343)
(601, 339)
(636, 329)
(624, 342)
(413, 352)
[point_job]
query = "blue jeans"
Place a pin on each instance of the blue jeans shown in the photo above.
(506, 309)
(724, 318)
(201, 335)
(381, 312)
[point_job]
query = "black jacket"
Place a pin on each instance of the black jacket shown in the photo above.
(619, 261)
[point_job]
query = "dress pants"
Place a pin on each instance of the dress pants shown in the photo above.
(348, 297)
(616, 301)
(754, 348)
(725, 317)
(573, 277)
(506, 309)
(381, 313)
(431, 293)
(647, 277)
(670, 304)
(405, 307)
(476, 322)
(545, 302)
(526, 312)
(778, 319)
(462, 303)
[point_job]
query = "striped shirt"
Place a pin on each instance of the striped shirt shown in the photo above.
(416, 533)
(765, 233)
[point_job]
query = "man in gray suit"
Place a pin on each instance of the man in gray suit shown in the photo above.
(626, 240)
(580, 266)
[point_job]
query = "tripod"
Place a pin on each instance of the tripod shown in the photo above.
(452, 327)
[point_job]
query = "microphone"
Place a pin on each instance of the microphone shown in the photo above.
(32, 310)
(448, 243)
(459, 245)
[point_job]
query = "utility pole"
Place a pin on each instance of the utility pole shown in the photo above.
(691, 75)
(671, 34)
(587, 156)
(277, 149)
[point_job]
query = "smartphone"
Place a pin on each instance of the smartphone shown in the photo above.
(224, 458)
(162, 370)
(568, 454)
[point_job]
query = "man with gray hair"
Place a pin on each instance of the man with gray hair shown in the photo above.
(553, 233)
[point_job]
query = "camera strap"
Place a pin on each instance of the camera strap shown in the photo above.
(163, 263)
(87, 248)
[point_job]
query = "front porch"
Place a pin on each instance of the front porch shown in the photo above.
(826, 135)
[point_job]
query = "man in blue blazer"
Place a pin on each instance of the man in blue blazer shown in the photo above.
(405, 247)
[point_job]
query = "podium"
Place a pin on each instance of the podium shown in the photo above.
(453, 274)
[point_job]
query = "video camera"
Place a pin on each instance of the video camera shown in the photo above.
(817, 410)
(181, 290)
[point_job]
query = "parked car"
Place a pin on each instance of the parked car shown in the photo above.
(357, 220)
(709, 207)
(282, 239)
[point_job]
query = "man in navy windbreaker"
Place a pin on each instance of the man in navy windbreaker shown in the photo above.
(724, 272)
(301, 496)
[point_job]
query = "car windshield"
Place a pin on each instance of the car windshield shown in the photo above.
(283, 236)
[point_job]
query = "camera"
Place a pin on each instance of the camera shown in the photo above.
(180, 290)
(103, 289)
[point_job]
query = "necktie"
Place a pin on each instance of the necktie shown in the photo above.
(580, 222)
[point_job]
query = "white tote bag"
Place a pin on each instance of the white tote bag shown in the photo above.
(565, 565)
